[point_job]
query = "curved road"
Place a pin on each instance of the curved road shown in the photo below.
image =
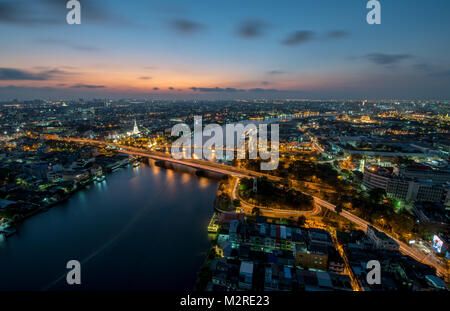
(404, 248)
(242, 173)
(273, 211)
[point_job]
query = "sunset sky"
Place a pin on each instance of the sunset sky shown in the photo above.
(225, 49)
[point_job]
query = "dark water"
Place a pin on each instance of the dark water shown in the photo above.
(143, 228)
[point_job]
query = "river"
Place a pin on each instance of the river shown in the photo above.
(142, 228)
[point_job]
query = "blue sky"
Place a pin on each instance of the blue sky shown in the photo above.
(225, 49)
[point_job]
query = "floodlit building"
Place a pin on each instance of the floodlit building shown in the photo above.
(246, 275)
(135, 129)
(403, 188)
(424, 172)
(381, 240)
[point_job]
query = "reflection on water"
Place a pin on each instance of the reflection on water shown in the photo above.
(185, 177)
(155, 169)
(101, 186)
(204, 182)
(170, 179)
(141, 228)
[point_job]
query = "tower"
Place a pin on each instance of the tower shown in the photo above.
(135, 128)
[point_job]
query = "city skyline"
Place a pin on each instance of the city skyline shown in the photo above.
(354, 185)
(170, 50)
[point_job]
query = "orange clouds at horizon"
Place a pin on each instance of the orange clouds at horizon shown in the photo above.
(122, 80)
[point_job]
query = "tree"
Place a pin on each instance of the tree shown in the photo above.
(376, 195)
(256, 211)
(338, 209)
(301, 220)
(286, 184)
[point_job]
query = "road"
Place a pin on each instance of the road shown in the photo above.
(403, 247)
(272, 212)
(244, 173)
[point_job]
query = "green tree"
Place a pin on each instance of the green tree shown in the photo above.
(256, 211)
(376, 195)
(301, 220)
(338, 209)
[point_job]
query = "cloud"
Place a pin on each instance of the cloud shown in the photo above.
(275, 72)
(87, 86)
(229, 90)
(18, 74)
(21, 13)
(258, 89)
(156, 88)
(27, 88)
(387, 59)
(337, 34)
(303, 36)
(186, 27)
(171, 88)
(52, 12)
(9, 12)
(251, 28)
(214, 89)
(440, 74)
(299, 37)
(265, 82)
(432, 70)
(145, 78)
(423, 67)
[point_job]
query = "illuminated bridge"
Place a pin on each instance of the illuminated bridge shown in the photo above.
(199, 164)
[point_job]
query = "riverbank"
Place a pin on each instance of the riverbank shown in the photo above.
(9, 227)
(144, 228)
